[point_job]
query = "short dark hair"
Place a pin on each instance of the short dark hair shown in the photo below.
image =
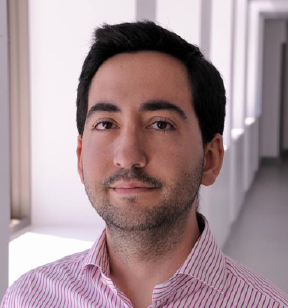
(208, 92)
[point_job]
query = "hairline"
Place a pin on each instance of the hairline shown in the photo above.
(151, 50)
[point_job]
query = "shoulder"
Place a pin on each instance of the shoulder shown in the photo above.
(43, 279)
(252, 287)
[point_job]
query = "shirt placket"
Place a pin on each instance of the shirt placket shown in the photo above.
(124, 299)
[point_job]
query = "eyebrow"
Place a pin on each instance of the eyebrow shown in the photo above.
(151, 105)
(154, 105)
(101, 106)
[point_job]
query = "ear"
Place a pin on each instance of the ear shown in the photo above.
(79, 157)
(213, 158)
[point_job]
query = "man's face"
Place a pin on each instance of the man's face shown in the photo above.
(141, 154)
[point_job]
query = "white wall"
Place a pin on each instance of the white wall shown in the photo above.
(251, 151)
(205, 27)
(60, 36)
(182, 17)
(221, 52)
(274, 36)
(240, 64)
(5, 150)
(215, 202)
(238, 106)
(254, 63)
(146, 9)
(189, 19)
(237, 176)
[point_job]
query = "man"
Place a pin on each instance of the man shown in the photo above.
(150, 116)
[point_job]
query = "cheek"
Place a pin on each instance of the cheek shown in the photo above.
(177, 149)
(169, 159)
(179, 156)
(95, 160)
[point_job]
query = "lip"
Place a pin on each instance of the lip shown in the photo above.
(128, 187)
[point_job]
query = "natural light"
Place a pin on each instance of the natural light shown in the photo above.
(32, 249)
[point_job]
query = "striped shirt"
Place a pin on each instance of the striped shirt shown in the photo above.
(207, 278)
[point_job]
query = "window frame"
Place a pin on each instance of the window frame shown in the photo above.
(18, 31)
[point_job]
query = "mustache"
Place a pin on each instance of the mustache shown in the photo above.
(132, 174)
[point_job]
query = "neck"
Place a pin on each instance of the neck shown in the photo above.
(135, 255)
(152, 244)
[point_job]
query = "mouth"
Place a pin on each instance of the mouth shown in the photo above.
(132, 187)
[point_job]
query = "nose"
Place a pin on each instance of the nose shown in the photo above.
(129, 150)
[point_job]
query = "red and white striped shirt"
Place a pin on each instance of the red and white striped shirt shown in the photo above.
(208, 278)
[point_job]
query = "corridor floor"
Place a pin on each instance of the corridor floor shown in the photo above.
(259, 238)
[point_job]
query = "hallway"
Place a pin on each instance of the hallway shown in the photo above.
(259, 238)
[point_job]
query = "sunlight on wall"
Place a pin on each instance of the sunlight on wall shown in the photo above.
(221, 52)
(239, 72)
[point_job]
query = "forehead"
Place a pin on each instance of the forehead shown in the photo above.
(141, 76)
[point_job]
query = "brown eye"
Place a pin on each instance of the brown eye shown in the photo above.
(162, 125)
(104, 125)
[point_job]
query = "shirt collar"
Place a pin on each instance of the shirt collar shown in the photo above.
(97, 256)
(205, 263)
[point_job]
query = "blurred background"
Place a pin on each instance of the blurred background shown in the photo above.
(44, 212)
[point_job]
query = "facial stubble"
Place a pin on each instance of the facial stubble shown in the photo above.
(153, 228)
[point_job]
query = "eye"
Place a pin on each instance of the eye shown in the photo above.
(162, 125)
(104, 125)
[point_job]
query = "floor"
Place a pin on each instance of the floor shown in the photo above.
(259, 238)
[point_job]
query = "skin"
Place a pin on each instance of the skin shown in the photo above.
(124, 133)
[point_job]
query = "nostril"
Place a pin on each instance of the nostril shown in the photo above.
(129, 149)
(130, 158)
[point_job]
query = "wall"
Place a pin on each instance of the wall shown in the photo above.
(237, 175)
(239, 65)
(5, 150)
(57, 51)
(238, 100)
(251, 152)
(274, 36)
(146, 9)
(205, 26)
(182, 16)
(221, 52)
(215, 202)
